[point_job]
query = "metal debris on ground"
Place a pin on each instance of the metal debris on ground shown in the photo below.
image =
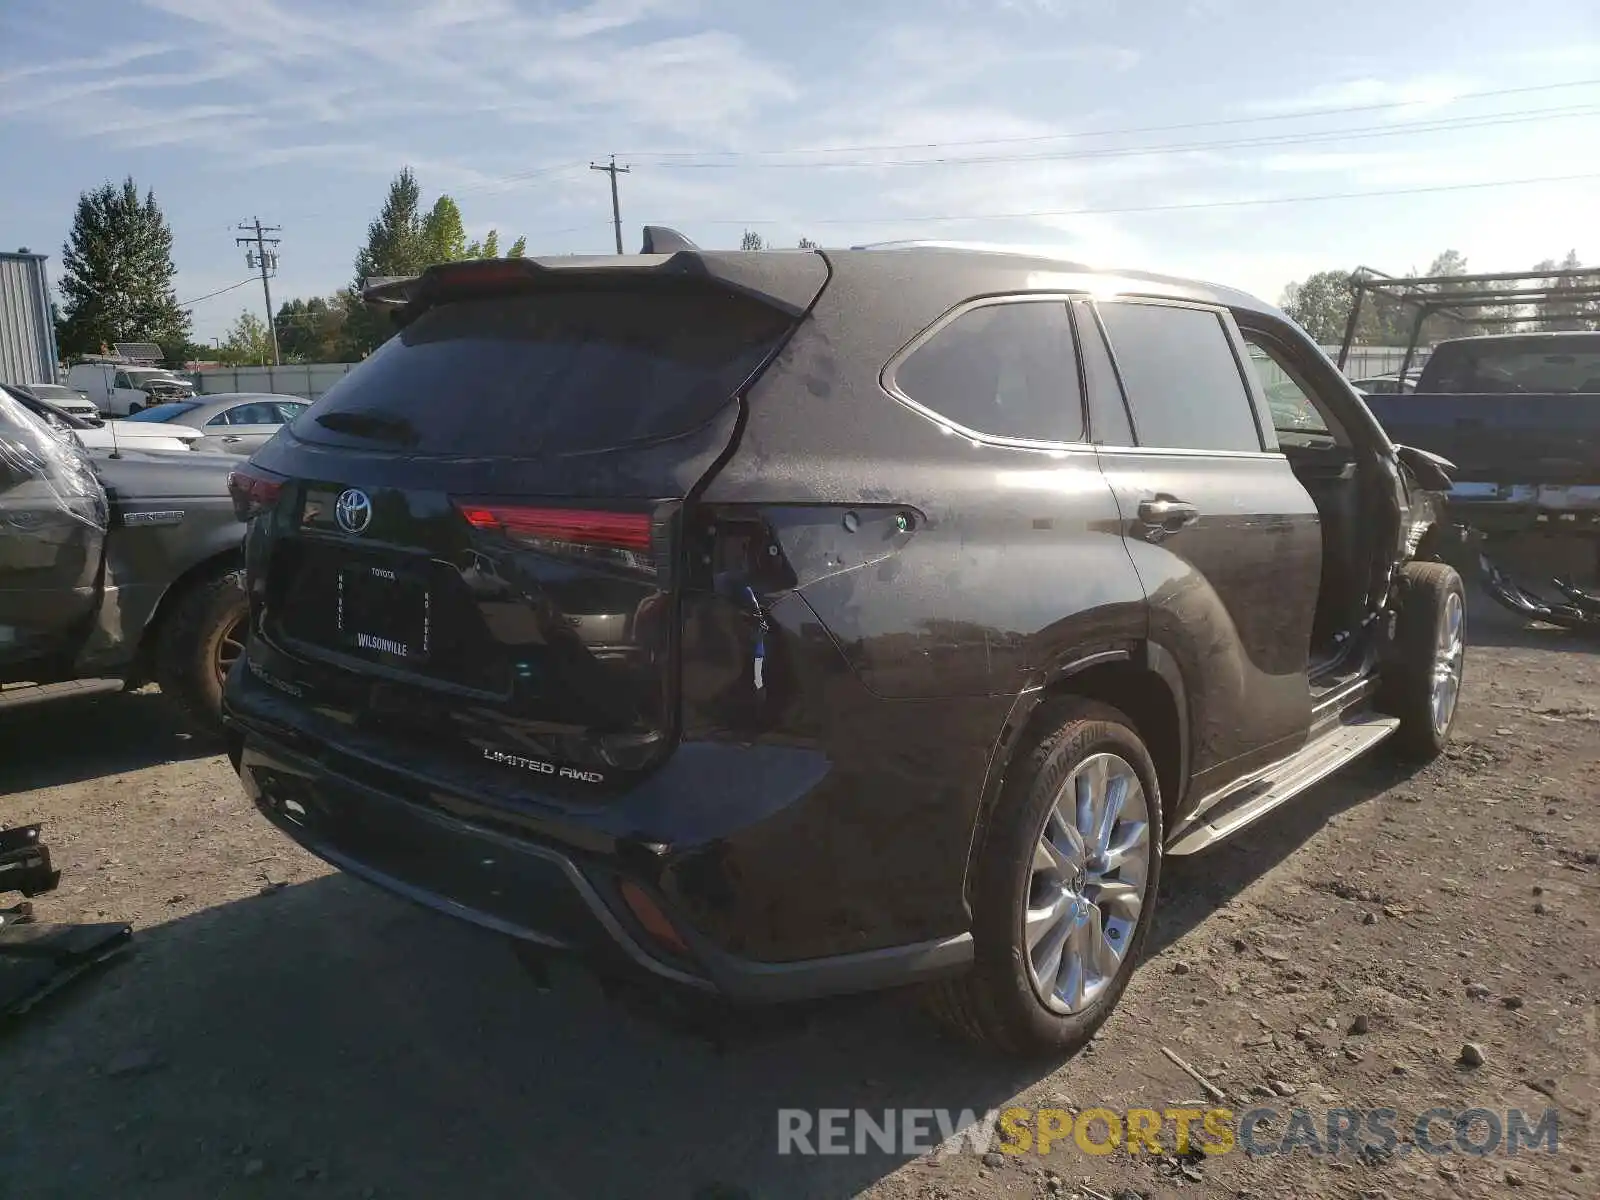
(37, 957)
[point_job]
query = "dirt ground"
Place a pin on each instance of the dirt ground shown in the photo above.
(282, 1030)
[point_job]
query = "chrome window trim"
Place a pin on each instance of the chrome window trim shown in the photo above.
(886, 377)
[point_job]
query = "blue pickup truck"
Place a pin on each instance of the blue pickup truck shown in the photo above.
(1519, 416)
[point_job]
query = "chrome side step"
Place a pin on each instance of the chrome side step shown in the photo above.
(1259, 794)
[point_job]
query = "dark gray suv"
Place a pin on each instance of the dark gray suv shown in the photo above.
(778, 624)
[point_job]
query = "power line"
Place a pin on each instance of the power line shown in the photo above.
(1144, 208)
(1301, 114)
(616, 208)
(231, 287)
(263, 258)
(1360, 133)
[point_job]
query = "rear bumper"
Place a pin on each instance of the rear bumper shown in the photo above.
(564, 897)
(1514, 508)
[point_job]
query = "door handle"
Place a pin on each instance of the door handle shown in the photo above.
(1166, 515)
(230, 439)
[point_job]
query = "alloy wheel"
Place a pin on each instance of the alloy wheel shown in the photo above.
(229, 647)
(1447, 664)
(1087, 883)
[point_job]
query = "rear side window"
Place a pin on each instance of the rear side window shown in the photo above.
(167, 412)
(1181, 378)
(259, 413)
(1553, 365)
(1006, 370)
(553, 372)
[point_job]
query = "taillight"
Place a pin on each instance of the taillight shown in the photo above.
(254, 491)
(623, 539)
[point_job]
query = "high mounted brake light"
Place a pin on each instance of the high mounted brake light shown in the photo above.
(483, 272)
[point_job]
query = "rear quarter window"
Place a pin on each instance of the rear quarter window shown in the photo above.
(1006, 370)
(551, 372)
(1558, 365)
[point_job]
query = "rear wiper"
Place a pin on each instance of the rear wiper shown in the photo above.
(377, 426)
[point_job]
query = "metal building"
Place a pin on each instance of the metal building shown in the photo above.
(27, 334)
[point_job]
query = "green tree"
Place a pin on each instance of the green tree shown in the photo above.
(519, 248)
(248, 342)
(1564, 314)
(807, 244)
(1475, 317)
(444, 238)
(403, 240)
(395, 241)
(395, 246)
(116, 285)
(1320, 304)
(310, 330)
(488, 248)
(751, 241)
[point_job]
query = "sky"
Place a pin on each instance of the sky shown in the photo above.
(1130, 133)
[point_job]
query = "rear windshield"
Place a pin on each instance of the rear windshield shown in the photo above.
(166, 412)
(550, 373)
(1515, 367)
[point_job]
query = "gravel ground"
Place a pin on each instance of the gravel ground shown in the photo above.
(280, 1030)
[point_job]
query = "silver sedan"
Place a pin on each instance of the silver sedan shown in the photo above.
(233, 422)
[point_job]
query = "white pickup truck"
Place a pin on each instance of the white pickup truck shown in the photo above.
(118, 390)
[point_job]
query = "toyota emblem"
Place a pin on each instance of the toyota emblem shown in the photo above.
(353, 511)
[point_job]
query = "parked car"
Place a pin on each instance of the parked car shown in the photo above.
(120, 389)
(68, 400)
(122, 566)
(230, 422)
(784, 624)
(96, 434)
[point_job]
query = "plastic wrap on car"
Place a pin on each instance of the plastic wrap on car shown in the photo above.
(47, 485)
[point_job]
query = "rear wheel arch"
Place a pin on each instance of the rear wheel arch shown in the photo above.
(207, 568)
(1143, 683)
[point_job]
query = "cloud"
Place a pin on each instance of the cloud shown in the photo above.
(604, 16)
(1311, 163)
(1425, 92)
(106, 60)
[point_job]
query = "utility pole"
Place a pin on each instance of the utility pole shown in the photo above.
(616, 209)
(263, 258)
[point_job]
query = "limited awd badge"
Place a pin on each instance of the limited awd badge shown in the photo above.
(540, 767)
(353, 510)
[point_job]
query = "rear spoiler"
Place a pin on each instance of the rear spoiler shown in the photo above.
(787, 282)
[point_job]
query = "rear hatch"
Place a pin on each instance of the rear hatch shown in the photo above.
(472, 541)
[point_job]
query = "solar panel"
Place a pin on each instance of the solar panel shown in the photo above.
(139, 351)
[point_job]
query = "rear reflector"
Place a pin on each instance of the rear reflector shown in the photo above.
(651, 918)
(254, 491)
(586, 527)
